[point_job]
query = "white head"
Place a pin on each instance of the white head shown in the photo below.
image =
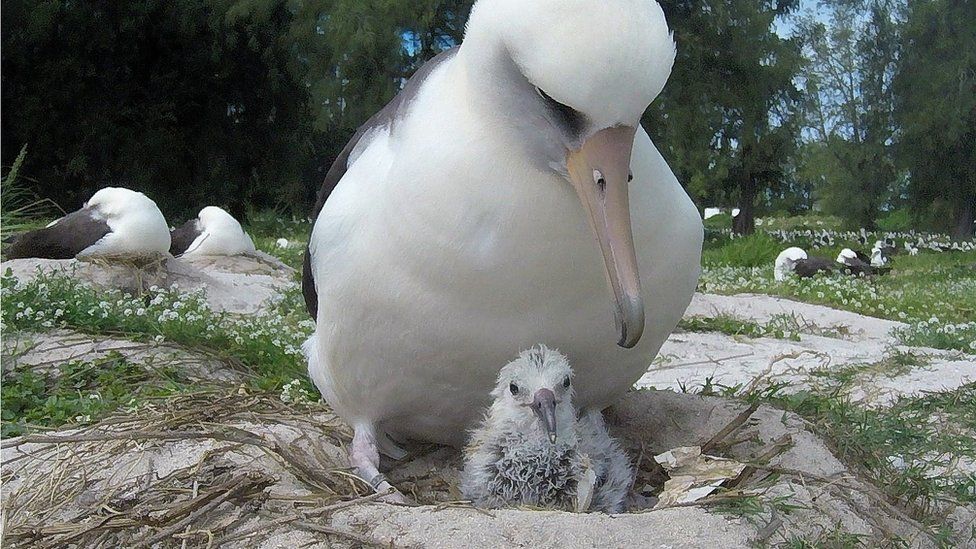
(878, 258)
(221, 234)
(572, 79)
(785, 262)
(846, 255)
(136, 222)
(116, 202)
(535, 393)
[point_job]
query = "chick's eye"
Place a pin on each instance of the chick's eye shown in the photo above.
(566, 382)
(513, 388)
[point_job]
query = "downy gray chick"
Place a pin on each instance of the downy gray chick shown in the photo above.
(531, 449)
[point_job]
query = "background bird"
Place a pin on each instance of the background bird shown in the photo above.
(114, 222)
(212, 232)
(532, 450)
(795, 261)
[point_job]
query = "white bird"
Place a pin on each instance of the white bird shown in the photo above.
(786, 262)
(115, 222)
(212, 232)
(506, 196)
(531, 449)
(795, 261)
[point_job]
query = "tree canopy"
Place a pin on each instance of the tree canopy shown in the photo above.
(860, 108)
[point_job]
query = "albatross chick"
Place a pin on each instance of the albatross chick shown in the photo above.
(531, 449)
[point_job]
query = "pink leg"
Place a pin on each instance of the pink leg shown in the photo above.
(364, 456)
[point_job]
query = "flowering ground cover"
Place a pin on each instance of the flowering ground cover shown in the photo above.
(916, 449)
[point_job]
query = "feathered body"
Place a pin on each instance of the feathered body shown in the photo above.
(511, 458)
(212, 232)
(115, 222)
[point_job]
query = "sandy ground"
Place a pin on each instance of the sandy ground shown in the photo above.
(689, 359)
(291, 455)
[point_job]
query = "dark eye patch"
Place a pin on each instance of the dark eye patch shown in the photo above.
(567, 116)
(566, 382)
(513, 388)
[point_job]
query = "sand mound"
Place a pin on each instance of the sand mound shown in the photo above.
(238, 284)
(241, 470)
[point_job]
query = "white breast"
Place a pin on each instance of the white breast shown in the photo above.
(433, 266)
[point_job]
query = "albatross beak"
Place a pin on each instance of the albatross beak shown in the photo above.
(600, 172)
(544, 406)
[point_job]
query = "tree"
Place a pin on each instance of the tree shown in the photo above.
(725, 118)
(851, 55)
(935, 106)
(197, 102)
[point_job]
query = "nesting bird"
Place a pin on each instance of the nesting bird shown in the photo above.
(115, 222)
(212, 232)
(531, 448)
(795, 261)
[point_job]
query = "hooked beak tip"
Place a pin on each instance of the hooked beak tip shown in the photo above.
(552, 438)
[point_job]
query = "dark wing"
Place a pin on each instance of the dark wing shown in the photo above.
(63, 240)
(181, 237)
(862, 256)
(384, 118)
(856, 267)
(805, 268)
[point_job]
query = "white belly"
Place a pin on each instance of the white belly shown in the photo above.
(422, 303)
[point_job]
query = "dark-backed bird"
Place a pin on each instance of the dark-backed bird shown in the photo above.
(115, 222)
(795, 261)
(506, 196)
(212, 232)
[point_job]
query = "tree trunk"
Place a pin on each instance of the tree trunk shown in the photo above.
(965, 216)
(745, 222)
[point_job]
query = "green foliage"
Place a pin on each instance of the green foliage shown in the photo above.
(78, 391)
(851, 51)
(755, 250)
(936, 108)
(722, 221)
(724, 122)
(226, 102)
(19, 207)
(899, 220)
(266, 344)
(911, 431)
(934, 293)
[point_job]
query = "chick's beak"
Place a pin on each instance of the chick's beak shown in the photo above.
(600, 173)
(544, 406)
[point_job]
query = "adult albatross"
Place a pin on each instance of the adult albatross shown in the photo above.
(506, 197)
(115, 222)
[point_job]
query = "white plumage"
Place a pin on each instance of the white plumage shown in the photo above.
(137, 226)
(488, 212)
(219, 234)
(786, 261)
(516, 458)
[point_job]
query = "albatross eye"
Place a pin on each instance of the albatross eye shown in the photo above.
(513, 388)
(566, 382)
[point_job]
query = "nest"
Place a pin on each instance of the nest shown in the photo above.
(204, 469)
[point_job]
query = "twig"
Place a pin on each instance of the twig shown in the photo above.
(730, 428)
(232, 489)
(239, 437)
(329, 530)
(297, 516)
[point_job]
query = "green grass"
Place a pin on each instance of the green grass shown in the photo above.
(904, 448)
(20, 209)
(78, 392)
(786, 326)
(267, 227)
(268, 344)
(938, 290)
